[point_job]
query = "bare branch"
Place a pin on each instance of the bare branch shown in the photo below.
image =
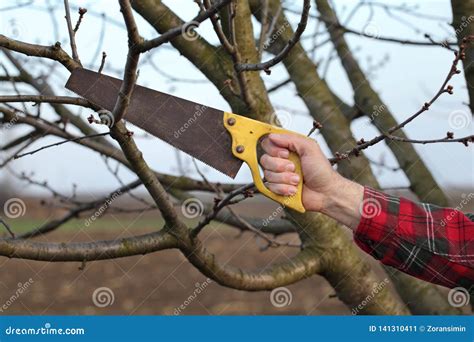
(177, 31)
(60, 143)
(286, 50)
(54, 52)
(7, 227)
(445, 88)
(76, 211)
(78, 101)
(82, 11)
(102, 63)
(130, 73)
(72, 38)
(87, 251)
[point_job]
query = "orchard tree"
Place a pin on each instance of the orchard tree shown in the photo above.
(254, 37)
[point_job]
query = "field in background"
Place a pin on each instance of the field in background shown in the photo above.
(159, 283)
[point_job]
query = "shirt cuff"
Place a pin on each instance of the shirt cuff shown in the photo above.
(376, 232)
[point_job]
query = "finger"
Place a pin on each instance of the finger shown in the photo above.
(282, 189)
(270, 148)
(276, 164)
(288, 178)
(291, 142)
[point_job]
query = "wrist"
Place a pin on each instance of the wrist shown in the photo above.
(343, 202)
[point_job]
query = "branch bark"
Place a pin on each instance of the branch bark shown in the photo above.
(54, 52)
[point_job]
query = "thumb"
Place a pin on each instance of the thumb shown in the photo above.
(292, 142)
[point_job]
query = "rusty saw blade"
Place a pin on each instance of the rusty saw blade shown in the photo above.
(191, 127)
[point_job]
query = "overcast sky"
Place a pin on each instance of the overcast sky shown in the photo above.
(409, 77)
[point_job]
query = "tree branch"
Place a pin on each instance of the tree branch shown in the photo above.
(178, 30)
(78, 101)
(71, 31)
(54, 52)
(265, 66)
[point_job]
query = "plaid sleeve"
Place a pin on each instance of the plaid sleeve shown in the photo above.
(429, 242)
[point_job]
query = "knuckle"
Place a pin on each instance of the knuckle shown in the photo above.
(281, 166)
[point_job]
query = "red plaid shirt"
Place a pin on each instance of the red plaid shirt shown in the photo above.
(429, 242)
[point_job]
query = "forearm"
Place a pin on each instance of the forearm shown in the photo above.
(344, 203)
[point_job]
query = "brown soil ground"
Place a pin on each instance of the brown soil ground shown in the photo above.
(158, 283)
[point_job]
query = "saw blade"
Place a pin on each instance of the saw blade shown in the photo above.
(191, 127)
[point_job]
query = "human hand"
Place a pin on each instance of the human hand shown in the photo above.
(324, 190)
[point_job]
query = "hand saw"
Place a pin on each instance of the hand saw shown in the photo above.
(220, 139)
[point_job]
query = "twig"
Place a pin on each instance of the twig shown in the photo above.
(221, 204)
(464, 140)
(445, 88)
(81, 12)
(72, 39)
(32, 139)
(271, 242)
(265, 66)
(102, 63)
(279, 85)
(175, 32)
(316, 125)
(62, 142)
(78, 101)
(7, 227)
(73, 213)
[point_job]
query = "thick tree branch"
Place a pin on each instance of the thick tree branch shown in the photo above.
(87, 251)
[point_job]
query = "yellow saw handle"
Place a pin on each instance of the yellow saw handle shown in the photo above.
(245, 134)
